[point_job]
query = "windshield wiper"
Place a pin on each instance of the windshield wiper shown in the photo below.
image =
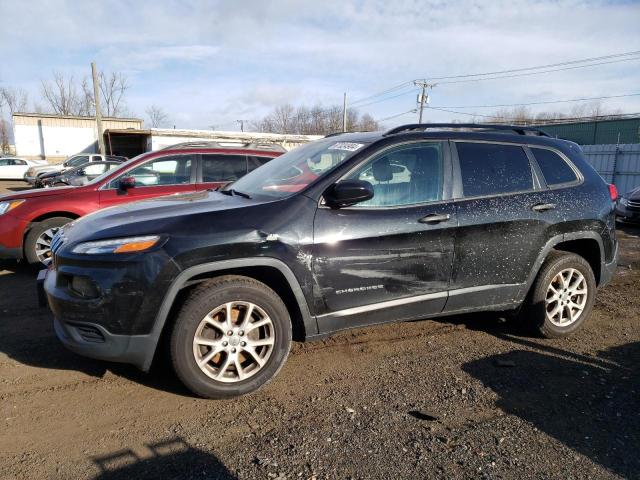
(231, 191)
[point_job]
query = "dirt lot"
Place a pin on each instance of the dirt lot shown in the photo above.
(463, 397)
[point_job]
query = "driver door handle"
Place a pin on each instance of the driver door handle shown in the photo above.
(543, 207)
(435, 218)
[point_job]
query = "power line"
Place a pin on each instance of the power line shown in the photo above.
(414, 110)
(498, 74)
(560, 119)
(545, 102)
(538, 73)
(551, 65)
(389, 90)
(413, 90)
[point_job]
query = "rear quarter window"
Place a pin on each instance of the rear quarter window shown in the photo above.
(553, 167)
(491, 169)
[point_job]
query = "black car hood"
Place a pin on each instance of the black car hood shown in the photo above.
(634, 194)
(136, 217)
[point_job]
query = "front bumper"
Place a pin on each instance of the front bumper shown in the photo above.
(94, 341)
(11, 231)
(627, 215)
(116, 322)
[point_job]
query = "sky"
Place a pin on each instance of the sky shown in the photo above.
(210, 63)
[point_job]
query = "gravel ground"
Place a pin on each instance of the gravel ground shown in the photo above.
(462, 397)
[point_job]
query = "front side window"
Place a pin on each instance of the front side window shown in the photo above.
(223, 168)
(404, 175)
(490, 169)
(554, 169)
(169, 170)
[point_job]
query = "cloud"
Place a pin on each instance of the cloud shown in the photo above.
(213, 62)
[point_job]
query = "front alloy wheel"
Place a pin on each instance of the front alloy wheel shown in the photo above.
(37, 243)
(234, 341)
(231, 337)
(43, 245)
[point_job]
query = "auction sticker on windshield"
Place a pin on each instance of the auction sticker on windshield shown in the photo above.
(347, 146)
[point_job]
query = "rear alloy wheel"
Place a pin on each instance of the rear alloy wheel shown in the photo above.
(566, 297)
(231, 337)
(37, 244)
(562, 295)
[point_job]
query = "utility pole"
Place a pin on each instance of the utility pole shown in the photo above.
(241, 122)
(96, 100)
(423, 96)
(344, 113)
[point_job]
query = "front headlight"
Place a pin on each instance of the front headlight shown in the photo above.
(117, 245)
(9, 205)
(624, 201)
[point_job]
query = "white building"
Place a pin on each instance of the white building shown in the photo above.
(56, 137)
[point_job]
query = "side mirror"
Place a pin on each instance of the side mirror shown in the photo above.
(82, 172)
(126, 183)
(347, 193)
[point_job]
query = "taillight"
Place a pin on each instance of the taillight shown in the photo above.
(613, 192)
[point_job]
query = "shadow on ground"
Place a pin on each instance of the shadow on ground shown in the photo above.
(174, 459)
(589, 403)
(27, 336)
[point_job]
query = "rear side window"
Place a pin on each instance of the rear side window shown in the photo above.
(223, 168)
(554, 169)
(489, 169)
(255, 162)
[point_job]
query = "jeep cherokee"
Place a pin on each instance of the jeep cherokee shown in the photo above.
(351, 230)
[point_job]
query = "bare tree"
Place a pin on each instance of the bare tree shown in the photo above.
(113, 88)
(62, 95)
(157, 116)
(65, 97)
(4, 136)
(15, 99)
(313, 121)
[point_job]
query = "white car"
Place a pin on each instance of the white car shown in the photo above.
(15, 168)
(31, 175)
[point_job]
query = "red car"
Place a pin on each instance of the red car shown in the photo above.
(30, 218)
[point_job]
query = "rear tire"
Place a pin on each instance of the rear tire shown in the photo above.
(39, 238)
(231, 337)
(562, 296)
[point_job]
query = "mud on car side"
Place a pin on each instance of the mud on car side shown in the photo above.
(351, 230)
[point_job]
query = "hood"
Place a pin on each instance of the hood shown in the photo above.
(34, 193)
(157, 214)
(633, 194)
(46, 167)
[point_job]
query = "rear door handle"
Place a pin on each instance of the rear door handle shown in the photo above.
(435, 218)
(543, 207)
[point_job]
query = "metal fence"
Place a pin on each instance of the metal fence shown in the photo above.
(617, 164)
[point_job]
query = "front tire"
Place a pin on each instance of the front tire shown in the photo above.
(231, 337)
(37, 244)
(562, 296)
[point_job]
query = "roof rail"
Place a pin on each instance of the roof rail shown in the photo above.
(412, 127)
(231, 143)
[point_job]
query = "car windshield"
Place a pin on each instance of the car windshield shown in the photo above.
(77, 161)
(117, 169)
(295, 170)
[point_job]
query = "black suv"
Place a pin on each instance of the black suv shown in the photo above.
(351, 230)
